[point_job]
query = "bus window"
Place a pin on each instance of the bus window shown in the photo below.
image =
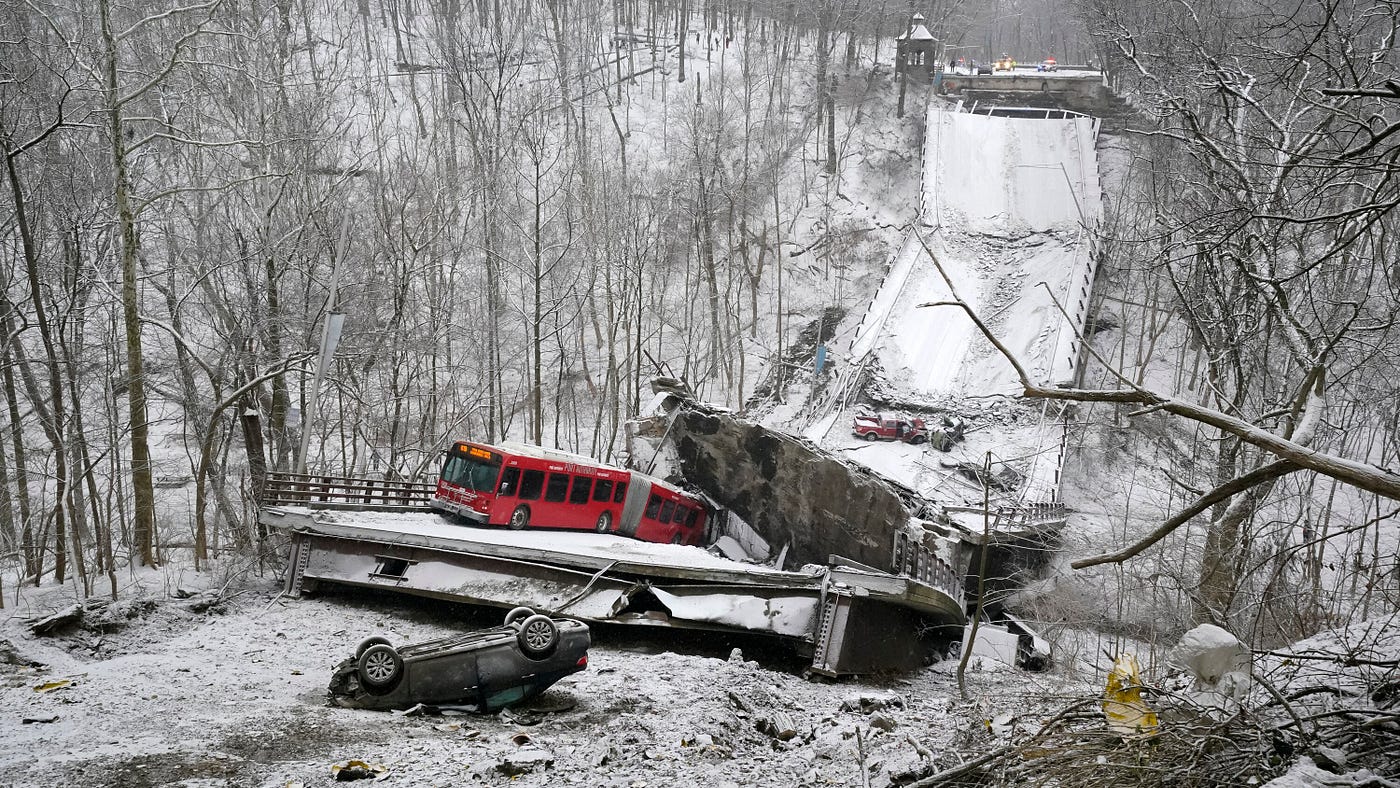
(452, 469)
(653, 506)
(558, 487)
(583, 485)
(666, 510)
(510, 482)
(620, 492)
(531, 485)
(602, 490)
(691, 516)
(473, 473)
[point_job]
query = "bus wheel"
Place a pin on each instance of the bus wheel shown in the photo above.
(604, 522)
(676, 538)
(519, 518)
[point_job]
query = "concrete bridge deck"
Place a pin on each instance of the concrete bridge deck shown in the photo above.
(849, 618)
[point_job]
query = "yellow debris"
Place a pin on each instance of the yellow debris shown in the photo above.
(1127, 713)
(53, 685)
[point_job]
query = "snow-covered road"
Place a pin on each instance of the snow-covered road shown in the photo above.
(1006, 209)
(1011, 199)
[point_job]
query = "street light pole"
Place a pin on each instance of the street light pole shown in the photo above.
(330, 338)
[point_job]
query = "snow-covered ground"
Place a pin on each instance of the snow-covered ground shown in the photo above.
(151, 691)
(236, 695)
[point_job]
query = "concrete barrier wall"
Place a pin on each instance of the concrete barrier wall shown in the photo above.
(1084, 93)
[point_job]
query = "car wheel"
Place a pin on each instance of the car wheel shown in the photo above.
(517, 614)
(917, 439)
(370, 641)
(519, 518)
(870, 436)
(380, 667)
(604, 522)
(538, 636)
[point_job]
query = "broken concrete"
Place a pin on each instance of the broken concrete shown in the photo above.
(790, 492)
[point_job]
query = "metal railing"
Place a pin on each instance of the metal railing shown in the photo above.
(318, 491)
(1039, 513)
(992, 108)
(915, 561)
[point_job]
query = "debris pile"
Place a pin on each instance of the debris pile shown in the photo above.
(1320, 713)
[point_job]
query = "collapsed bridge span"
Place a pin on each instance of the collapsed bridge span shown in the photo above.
(847, 617)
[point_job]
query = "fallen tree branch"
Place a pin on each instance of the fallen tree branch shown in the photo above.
(1357, 474)
(1239, 484)
(948, 775)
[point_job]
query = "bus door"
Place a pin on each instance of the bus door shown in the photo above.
(637, 493)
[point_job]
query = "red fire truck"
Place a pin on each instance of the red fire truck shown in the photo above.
(521, 486)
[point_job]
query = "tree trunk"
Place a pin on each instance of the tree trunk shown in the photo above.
(682, 31)
(281, 399)
(144, 525)
(251, 425)
(9, 535)
(537, 316)
(50, 409)
(495, 411)
(831, 125)
(21, 468)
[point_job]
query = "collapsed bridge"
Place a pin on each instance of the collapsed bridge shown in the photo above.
(879, 566)
(849, 614)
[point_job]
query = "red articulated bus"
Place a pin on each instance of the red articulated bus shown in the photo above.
(527, 486)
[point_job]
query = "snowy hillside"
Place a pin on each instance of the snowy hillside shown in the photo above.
(526, 212)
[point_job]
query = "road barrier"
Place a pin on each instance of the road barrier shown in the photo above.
(344, 492)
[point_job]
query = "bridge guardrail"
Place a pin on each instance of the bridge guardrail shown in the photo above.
(344, 492)
(920, 563)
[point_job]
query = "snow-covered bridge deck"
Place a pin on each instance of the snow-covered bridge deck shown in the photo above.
(1007, 209)
(837, 613)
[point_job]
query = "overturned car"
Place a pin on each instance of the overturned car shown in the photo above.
(486, 670)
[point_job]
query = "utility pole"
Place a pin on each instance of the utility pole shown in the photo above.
(330, 337)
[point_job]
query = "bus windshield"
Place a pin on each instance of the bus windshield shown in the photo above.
(473, 473)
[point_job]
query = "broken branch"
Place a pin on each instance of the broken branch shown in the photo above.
(1229, 489)
(1358, 474)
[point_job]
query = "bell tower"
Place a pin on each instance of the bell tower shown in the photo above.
(914, 52)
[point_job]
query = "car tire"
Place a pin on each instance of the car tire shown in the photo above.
(538, 636)
(604, 523)
(370, 641)
(917, 439)
(519, 518)
(870, 436)
(380, 668)
(518, 613)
